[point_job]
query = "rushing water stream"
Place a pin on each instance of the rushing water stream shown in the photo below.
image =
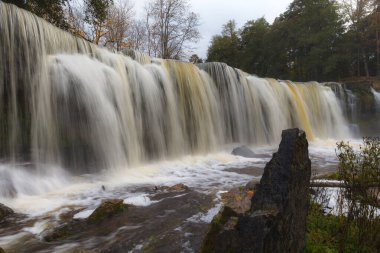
(80, 124)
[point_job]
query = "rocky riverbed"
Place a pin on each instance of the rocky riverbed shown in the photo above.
(167, 210)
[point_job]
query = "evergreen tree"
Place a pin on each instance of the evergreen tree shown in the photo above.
(50, 10)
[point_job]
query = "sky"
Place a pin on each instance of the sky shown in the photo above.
(214, 13)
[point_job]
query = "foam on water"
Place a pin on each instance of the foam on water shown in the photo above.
(204, 173)
(208, 173)
(209, 215)
(139, 200)
(84, 214)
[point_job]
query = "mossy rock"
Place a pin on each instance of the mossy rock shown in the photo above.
(226, 219)
(174, 188)
(65, 231)
(108, 209)
(2, 251)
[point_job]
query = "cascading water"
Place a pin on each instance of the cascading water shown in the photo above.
(73, 116)
(255, 110)
(376, 95)
(68, 103)
(349, 104)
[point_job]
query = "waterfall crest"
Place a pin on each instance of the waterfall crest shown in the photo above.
(67, 102)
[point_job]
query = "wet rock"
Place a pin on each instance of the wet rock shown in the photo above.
(70, 214)
(276, 221)
(238, 199)
(108, 209)
(252, 185)
(66, 230)
(105, 212)
(2, 251)
(5, 212)
(174, 188)
(243, 151)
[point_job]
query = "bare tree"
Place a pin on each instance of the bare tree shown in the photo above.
(137, 36)
(76, 21)
(120, 20)
(103, 22)
(171, 27)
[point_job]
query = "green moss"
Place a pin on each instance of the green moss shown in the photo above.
(216, 226)
(60, 233)
(149, 245)
(108, 209)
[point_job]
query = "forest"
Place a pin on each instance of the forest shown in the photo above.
(320, 40)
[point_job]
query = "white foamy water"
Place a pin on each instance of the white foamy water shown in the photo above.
(53, 193)
(209, 174)
(209, 215)
(139, 200)
(204, 173)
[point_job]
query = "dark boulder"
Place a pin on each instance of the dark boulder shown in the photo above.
(243, 151)
(5, 212)
(2, 251)
(276, 221)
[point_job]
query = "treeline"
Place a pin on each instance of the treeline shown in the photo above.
(312, 40)
(166, 29)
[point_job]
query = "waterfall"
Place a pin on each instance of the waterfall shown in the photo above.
(67, 102)
(376, 95)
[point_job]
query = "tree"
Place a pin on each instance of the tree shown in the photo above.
(96, 16)
(357, 13)
(120, 23)
(137, 36)
(105, 23)
(170, 28)
(195, 59)
(312, 30)
(255, 46)
(226, 47)
(50, 10)
(359, 199)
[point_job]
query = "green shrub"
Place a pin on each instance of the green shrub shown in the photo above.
(356, 225)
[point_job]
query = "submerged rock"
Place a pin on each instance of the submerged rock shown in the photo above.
(108, 209)
(276, 221)
(5, 212)
(177, 187)
(243, 151)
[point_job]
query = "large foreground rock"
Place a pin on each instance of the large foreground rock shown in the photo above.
(276, 221)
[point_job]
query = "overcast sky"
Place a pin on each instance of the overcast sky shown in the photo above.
(215, 13)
